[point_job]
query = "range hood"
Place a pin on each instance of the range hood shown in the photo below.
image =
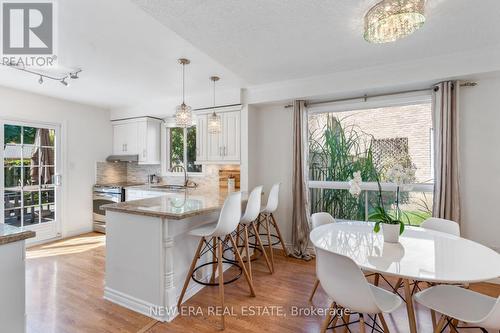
(123, 158)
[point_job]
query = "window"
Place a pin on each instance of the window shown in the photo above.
(371, 141)
(182, 148)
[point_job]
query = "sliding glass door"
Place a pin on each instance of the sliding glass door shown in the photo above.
(31, 183)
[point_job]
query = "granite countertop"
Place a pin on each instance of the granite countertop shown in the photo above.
(10, 234)
(174, 205)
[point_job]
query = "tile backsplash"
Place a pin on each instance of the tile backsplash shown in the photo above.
(135, 173)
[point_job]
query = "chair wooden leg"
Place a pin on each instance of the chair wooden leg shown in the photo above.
(433, 318)
(328, 318)
(247, 251)
(214, 260)
(269, 241)
(259, 243)
(409, 306)
(383, 322)
(361, 323)
(242, 263)
(346, 318)
(316, 284)
(398, 284)
(377, 279)
(285, 251)
(190, 272)
(454, 324)
(221, 280)
(440, 324)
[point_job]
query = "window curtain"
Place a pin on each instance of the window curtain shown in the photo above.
(446, 203)
(300, 212)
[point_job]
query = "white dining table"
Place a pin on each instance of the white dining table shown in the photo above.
(420, 255)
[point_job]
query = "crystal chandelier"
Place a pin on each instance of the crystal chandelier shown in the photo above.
(183, 115)
(390, 20)
(214, 121)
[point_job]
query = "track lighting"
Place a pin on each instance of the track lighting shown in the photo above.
(62, 76)
(40, 80)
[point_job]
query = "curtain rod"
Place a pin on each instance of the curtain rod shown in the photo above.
(365, 97)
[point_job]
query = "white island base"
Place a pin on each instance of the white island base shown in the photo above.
(148, 258)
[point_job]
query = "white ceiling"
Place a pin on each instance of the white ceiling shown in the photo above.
(127, 57)
(273, 40)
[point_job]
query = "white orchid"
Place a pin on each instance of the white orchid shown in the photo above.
(355, 184)
(400, 175)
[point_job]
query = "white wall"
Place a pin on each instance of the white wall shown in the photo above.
(270, 158)
(480, 157)
(86, 138)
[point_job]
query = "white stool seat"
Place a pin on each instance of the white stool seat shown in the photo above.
(385, 299)
(205, 230)
(458, 303)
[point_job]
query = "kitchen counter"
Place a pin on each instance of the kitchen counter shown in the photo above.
(175, 205)
(149, 248)
(10, 234)
(13, 278)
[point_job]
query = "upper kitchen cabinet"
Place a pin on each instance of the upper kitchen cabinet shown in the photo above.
(223, 147)
(138, 136)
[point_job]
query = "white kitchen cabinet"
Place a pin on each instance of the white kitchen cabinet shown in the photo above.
(223, 147)
(201, 133)
(138, 136)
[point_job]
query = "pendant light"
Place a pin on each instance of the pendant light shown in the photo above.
(390, 20)
(214, 121)
(183, 115)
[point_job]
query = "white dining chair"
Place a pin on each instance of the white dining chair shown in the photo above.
(442, 225)
(463, 305)
(247, 225)
(218, 234)
(345, 283)
(317, 220)
(268, 221)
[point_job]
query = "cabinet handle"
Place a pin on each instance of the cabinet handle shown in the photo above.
(125, 147)
(144, 153)
(225, 151)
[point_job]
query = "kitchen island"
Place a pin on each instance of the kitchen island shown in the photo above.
(149, 251)
(13, 278)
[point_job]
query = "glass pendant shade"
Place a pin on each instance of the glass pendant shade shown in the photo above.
(390, 20)
(183, 116)
(214, 124)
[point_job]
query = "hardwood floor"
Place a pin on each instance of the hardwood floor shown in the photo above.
(65, 282)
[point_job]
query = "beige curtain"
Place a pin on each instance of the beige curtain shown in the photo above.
(300, 213)
(446, 151)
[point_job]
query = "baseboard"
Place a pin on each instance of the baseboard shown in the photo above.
(133, 304)
(77, 232)
(494, 281)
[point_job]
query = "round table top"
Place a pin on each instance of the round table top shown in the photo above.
(421, 254)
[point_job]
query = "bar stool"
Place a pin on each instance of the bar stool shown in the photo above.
(219, 233)
(267, 220)
(247, 221)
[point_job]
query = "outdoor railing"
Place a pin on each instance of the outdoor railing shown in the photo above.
(334, 197)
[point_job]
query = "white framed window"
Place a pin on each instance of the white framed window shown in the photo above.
(180, 149)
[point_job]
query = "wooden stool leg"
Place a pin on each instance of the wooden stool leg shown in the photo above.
(383, 322)
(242, 263)
(190, 272)
(316, 284)
(269, 240)
(324, 326)
(409, 306)
(259, 242)
(285, 251)
(221, 280)
(433, 318)
(361, 323)
(247, 251)
(214, 259)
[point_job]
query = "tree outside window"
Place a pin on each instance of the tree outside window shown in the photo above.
(182, 148)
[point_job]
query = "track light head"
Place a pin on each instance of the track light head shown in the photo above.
(64, 82)
(74, 75)
(40, 80)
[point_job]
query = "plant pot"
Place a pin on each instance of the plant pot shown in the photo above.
(391, 232)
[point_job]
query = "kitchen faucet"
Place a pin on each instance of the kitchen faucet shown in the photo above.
(175, 168)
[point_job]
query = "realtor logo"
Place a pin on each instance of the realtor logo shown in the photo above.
(27, 28)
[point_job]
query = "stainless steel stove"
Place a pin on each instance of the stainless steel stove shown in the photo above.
(103, 195)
